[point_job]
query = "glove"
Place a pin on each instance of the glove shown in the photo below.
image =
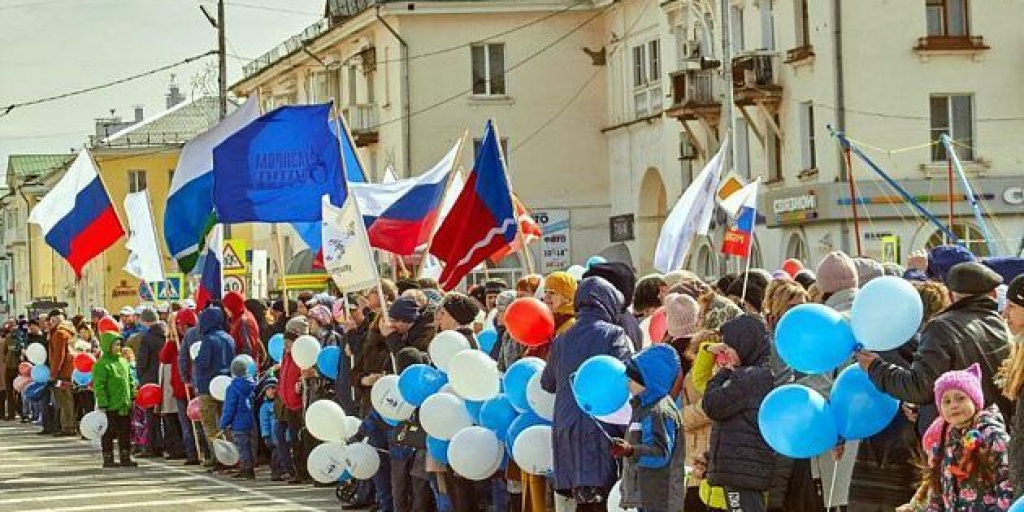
(621, 448)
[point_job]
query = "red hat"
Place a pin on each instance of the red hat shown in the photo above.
(234, 302)
(185, 318)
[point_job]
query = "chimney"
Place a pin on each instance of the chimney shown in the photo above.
(174, 95)
(139, 114)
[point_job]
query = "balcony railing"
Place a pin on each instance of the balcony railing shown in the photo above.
(290, 45)
(755, 77)
(363, 121)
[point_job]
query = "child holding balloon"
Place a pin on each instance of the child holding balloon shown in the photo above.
(114, 390)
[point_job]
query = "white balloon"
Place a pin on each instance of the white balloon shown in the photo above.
(219, 387)
(36, 353)
(388, 401)
(475, 453)
(93, 425)
(576, 271)
(194, 350)
(226, 452)
(325, 420)
(327, 462)
(622, 416)
(305, 351)
(351, 426)
(474, 375)
(444, 346)
(542, 402)
(442, 415)
(534, 451)
(363, 460)
(615, 499)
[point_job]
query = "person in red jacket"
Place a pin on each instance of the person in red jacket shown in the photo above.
(243, 328)
(183, 321)
(290, 389)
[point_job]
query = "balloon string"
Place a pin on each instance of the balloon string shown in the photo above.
(572, 386)
(832, 487)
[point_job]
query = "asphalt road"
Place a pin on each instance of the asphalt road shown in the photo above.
(43, 473)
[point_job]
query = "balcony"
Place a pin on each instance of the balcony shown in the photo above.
(755, 79)
(363, 122)
(695, 96)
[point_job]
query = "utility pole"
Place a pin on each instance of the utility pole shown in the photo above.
(222, 57)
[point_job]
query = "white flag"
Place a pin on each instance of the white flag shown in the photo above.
(143, 251)
(690, 216)
(347, 254)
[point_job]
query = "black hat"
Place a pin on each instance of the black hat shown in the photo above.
(972, 278)
(755, 292)
(55, 312)
(462, 308)
(404, 285)
(409, 356)
(633, 371)
(404, 309)
(495, 286)
(279, 306)
(1015, 292)
(619, 274)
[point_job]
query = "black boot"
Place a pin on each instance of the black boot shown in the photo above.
(126, 459)
(108, 459)
(247, 474)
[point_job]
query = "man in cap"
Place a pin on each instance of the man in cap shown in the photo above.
(407, 326)
(129, 322)
(147, 368)
(491, 290)
(969, 331)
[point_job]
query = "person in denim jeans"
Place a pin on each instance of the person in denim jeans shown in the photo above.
(237, 415)
(269, 427)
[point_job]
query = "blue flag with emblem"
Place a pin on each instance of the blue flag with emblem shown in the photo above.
(278, 167)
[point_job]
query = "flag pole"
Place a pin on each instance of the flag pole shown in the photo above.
(750, 248)
(444, 194)
(281, 268)
(512, 200)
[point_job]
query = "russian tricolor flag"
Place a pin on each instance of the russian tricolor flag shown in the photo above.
(211, 282)
(77, 217)
(739, 238)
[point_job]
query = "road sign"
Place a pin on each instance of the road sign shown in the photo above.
(234, 284)
(170, 289)
(145, 291)
(234, 257)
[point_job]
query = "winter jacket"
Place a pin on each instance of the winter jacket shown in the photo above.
(59, 352)
(968, 331)
(267, 422)
(185, 363)
(130, 330)
(290, 376)
(739, 455)
(16, 343)
(653, 477)
(169, 356)
(245, 331)
(372, 358)
(147, 359)
(582, 457)
(216, 351)
(112, 378)
(967, 492)
(696, 424)
(419, 335)
(237, 414)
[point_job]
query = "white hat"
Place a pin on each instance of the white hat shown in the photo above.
(139, 309)
(163, 307)
(189, 303)
(127, 310)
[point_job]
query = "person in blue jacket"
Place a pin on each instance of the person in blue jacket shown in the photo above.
(237, 415)
(216, 350)
(268, 423)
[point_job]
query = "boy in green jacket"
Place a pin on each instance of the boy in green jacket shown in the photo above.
(114, 390)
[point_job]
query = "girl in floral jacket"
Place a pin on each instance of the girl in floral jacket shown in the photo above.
(969, 465)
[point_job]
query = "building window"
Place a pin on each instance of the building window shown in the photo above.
(797, 248)
(136, 181)
(970, 237)
(504, 149)
(352, 74)
(170, 177)
(767, 25)
(809, 155)
(736, 33)
(947, 18)
(803, 23)
(319, 90)
(489, 69)
(647, 98)
(952, 115)
(774, 154)
(742, 148)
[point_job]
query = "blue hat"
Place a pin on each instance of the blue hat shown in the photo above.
(944, 257)
(404, 309)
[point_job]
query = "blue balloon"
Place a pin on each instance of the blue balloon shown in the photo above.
(328, 362)
(40, 373)
(1018, 506)
(34, 391)
(812, 338)
(523, 422)
(275, 347)
(860, 409)
(81, 378)
(487, 339)
(390, 422)
(886, 313)
(797, 422)
(438, 449)
(600, 385)
(517, 377)
(497, 414)
(595, 260)
(418, 381)
(474, 409)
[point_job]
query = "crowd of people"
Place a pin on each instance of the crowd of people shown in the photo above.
(692, 443)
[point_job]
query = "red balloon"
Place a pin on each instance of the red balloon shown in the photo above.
(192, 411)
(659, 326)
(530, 322)
(107, 324)
(25, 369)
(84, 362)
(792, 266)
(149, 396)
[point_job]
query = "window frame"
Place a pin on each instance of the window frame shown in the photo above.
(943, 7)
(803, 23)
(487, 79)
(966, 152)
(134, 182)
(647, 81)
(808, 139)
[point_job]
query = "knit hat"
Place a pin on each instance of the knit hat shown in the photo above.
(462, 308)
(239, 367)
(620, 275)
(633, 371)
(972, 278)
(298, 326)
(968, 381)
(867, 269)
(836, 271)
(434, 297)
(1015, 292)
(681, 312)
(404, 309)
(561, 283)
(321, 314)
(719, 311)
(185, 318)
(943, 258)
(148, 316)
(806, 278)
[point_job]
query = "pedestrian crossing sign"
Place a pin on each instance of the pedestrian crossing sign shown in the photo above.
(234, 257)
(170, 289)
(145, 291)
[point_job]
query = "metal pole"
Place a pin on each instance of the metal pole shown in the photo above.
(729, 126)
(222, 58)
(993, 247)
(853, 200)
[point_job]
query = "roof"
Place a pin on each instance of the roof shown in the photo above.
(175, 125)
(36, 165)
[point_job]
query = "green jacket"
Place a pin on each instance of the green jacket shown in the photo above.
(112, 378)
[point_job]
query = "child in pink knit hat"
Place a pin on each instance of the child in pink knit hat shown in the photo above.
(969, 466)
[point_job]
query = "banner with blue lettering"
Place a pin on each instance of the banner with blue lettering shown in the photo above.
(278, 167)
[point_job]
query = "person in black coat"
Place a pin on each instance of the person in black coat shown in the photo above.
(740, 460)
(148, 370)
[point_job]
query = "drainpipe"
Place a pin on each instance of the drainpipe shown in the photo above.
(837, 23)
(28, 245)
(406, 104)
